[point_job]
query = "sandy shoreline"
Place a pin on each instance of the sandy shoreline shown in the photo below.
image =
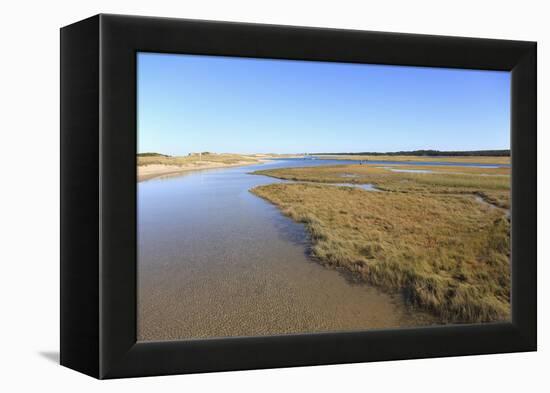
(148, 172)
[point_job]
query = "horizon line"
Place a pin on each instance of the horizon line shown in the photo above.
(417, 151)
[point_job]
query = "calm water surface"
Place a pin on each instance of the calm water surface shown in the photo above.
(214, 261)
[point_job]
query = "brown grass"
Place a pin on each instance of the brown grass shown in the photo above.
(460, 170)
(195, 159)
(429, 237)
(471, 159)
(475, 181)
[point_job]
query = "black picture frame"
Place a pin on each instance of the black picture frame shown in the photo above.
(98, 195)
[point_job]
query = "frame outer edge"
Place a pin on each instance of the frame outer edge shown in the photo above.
(116, 339)
(122, 36)
(524, 189)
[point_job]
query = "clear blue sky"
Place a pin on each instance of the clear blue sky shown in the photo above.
(189, 103)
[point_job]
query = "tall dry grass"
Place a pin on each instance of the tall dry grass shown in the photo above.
(456, 159)
(429, 238)
(490, 183)
(194, 159)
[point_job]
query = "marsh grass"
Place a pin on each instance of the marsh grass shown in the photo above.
(467, 180)
(428, 238)
(455, 159)
(452, 169)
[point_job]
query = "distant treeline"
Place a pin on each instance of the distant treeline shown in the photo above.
(471, 153)
(151, 155)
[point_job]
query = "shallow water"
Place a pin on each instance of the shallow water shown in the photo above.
(367, 186)
(214, 260)
(407, 170)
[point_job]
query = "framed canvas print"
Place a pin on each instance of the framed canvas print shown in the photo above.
(238, 196)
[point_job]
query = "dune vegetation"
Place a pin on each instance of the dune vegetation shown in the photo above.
(154, 165)
(441, 239)
(195, 158)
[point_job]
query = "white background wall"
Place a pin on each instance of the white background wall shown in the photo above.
(29, 208)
